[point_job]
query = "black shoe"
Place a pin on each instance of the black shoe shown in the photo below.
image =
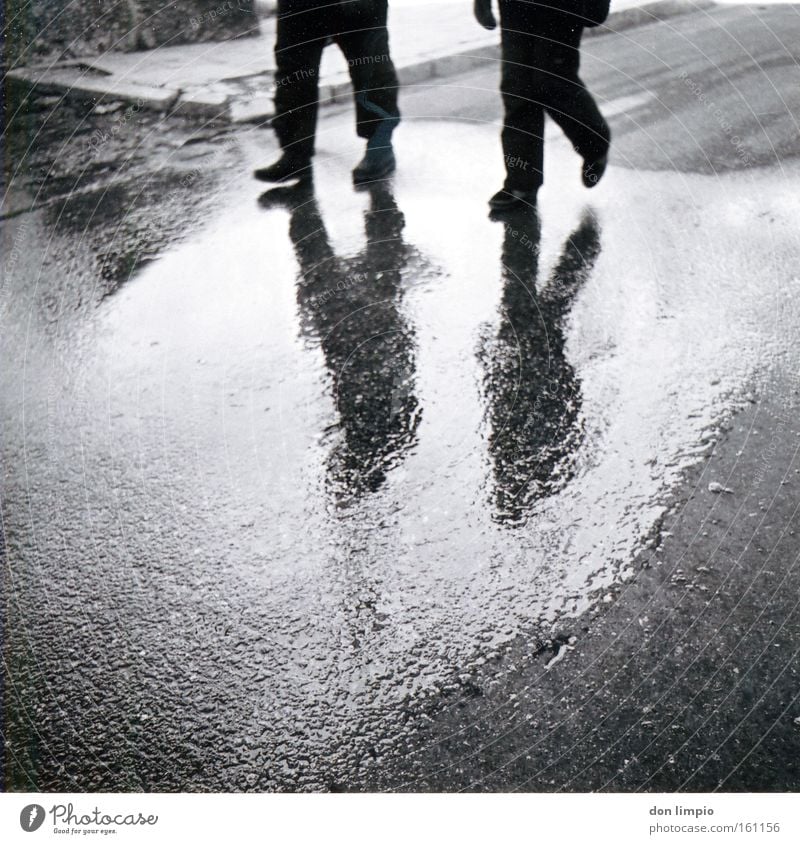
(593, 171)
(511, 198)
(377, 163)
(286, 168)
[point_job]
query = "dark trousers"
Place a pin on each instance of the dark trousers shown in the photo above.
(541, 59)
(359, 28)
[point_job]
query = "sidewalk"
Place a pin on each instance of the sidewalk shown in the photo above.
(232, 81)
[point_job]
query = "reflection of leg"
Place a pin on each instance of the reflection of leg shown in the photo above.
(521, 257)
(352, 307)
(576, 263)
(374, 376)
(534, 394)
(312, 248)
(384, 221)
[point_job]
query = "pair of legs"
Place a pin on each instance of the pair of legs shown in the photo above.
(541, 60)
(359, 29)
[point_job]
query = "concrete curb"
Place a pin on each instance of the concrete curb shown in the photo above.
(73, 82)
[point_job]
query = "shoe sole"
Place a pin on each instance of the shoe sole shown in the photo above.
(298, 176)
(511, 203)
(374, 177)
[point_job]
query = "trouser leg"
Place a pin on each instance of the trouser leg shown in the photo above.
(569, 103)
(298, 50)
(523, 123)
(541, 60)
(365, 45)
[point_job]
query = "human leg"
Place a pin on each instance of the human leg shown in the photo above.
(568, 101)
(365, 44)
(366, 47)
(298, 50)
(541, 61)
(522, 136)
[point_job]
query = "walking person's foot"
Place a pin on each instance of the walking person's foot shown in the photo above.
(378, 162)
(507, 199)
(592, 171)
(287, 168)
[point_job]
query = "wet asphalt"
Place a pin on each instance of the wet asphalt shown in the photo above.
(347, 490)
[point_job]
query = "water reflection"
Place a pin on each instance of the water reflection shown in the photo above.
(353, 306)
(533, 395)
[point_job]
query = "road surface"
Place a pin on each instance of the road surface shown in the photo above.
(362, 490)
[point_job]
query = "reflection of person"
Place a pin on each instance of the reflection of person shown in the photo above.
(359, 28)
(532, 392)
(352, 305)
(541, 59)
